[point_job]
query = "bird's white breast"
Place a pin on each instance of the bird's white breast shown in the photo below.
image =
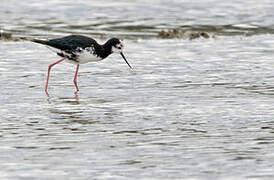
(87, 56)
(84, 56)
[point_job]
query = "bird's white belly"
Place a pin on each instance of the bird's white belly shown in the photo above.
(83, 57)
(86, 57)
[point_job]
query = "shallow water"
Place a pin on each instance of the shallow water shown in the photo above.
(199, 109)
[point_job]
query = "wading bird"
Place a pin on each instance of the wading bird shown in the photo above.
(77, 49)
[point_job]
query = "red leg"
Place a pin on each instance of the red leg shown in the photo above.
(75, 78)
(50, 66)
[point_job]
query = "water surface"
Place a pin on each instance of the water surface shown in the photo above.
(199, 109)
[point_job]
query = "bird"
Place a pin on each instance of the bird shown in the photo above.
(79, 49)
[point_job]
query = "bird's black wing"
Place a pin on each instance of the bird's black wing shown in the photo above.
(71, 43)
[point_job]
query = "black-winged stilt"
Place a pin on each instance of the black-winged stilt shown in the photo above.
(77, 49)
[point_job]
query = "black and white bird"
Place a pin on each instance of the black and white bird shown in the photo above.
(78, 49)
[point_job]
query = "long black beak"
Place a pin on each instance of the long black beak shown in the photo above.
(125, 59)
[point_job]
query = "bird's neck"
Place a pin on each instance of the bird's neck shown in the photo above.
(106, 49)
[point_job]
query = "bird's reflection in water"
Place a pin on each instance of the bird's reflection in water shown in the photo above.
(92, 110)
(70, 100)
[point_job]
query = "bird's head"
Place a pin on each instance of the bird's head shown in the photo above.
(117, 47)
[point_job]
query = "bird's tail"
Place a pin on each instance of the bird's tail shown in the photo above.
(53, 49)
(34, 40)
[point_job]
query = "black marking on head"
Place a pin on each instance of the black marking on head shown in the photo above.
(115, 42)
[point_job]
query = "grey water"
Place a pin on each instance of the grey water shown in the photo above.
(200, 109)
